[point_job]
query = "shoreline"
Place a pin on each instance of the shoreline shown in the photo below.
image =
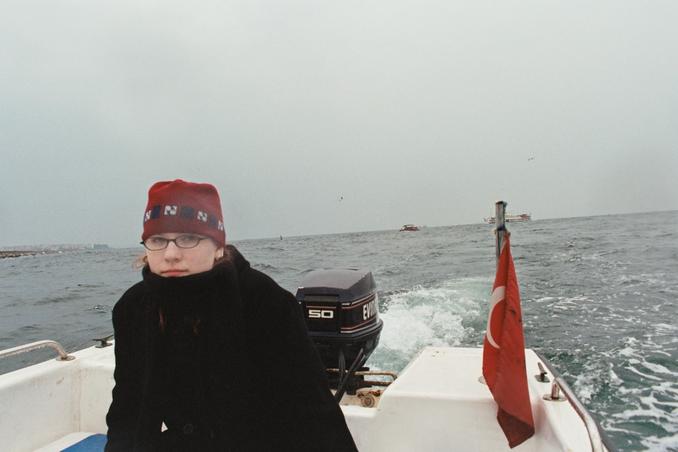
(10, 254)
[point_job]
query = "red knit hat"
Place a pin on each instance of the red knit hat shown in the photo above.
(180, 206)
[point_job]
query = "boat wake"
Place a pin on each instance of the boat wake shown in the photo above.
(652, 400)
(450, 314)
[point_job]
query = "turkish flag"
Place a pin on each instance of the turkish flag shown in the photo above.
(504, 353)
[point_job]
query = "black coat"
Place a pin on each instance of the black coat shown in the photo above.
(224, 360)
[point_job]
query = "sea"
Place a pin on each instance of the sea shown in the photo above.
(599, 299)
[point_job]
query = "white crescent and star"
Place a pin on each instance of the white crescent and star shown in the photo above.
(498, 295)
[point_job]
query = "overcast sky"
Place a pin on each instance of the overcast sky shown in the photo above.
(413, 111)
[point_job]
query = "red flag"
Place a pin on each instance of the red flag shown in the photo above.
(504, 353)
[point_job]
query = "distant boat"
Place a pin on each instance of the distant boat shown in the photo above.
(511, 218)
(409, 227)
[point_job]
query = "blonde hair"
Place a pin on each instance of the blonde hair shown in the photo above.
(140, 262)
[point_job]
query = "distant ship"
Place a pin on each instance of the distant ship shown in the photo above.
(511, 218)
(409, 227)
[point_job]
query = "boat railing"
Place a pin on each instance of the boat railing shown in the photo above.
(63, 356)
(591, 427)
(598, 444)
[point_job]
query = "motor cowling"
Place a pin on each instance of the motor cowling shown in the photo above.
(340, 307)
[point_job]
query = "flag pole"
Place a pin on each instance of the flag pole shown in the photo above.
(504, 345)
(500, 222)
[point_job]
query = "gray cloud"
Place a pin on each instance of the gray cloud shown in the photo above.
(422, 112)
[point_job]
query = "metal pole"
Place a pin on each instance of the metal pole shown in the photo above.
(500, 222)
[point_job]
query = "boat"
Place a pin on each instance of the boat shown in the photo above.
(439, 402)
(409, 227)
(510, 218)
(436, 404)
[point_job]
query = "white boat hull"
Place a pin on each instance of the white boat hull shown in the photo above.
(437, 404)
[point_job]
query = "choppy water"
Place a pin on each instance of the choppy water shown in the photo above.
(599, 301)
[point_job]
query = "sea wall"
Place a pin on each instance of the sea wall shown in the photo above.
(7, 254)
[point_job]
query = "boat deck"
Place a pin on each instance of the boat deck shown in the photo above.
(439, 401)
(437, 404)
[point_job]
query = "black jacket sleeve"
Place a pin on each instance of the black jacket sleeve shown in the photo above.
(303, 415)
(123, 418)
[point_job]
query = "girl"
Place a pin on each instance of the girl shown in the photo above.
(210, 351)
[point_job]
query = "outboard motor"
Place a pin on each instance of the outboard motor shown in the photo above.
(340, 309)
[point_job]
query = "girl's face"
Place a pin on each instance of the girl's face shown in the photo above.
(175, 261)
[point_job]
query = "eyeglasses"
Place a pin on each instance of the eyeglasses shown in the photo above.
(157, 243)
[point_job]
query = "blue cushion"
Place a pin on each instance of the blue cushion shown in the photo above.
(93, 443)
